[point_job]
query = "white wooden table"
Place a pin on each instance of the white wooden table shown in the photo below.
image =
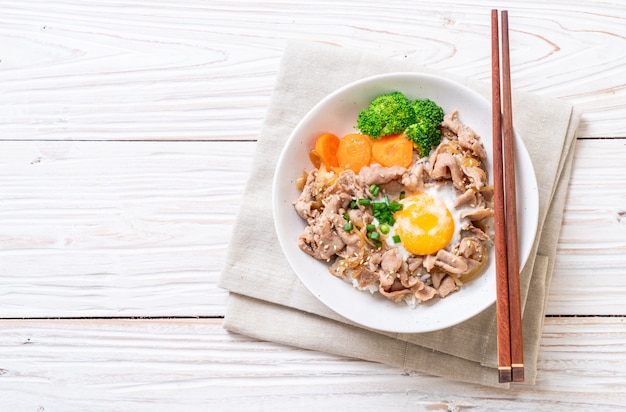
(127, 131)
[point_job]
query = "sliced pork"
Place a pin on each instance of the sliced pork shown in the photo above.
(337, 232)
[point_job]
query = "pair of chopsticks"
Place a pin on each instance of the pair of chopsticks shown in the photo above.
(508, 309)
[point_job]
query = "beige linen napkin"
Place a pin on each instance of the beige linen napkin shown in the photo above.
(266, 299)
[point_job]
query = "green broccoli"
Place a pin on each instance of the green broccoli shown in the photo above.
(427, 109)
(424, 132)
(393, 113)
(425, 135)
(387, 114)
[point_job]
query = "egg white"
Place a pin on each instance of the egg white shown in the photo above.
(447, 194)
(401, 249)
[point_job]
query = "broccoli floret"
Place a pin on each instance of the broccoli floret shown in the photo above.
(425, 132)
(369, 124)
(425, 135)
(427, 109)
(387, 114)
(393, 113)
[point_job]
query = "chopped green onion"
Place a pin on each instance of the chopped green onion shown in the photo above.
(384, 228)
(370, 227)
(374, 190)
(353, 204)
(379, 206)
(402, 194)
(395, 206)
(374, 235)
(348, 226)
(383, 211)
(377, 243)
(396, 239)
(346, 216)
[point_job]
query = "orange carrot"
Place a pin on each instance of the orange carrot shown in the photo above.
(326, 147)
(354, 152)
(393, 150)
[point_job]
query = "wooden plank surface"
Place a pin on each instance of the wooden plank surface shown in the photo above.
(592, 246)
(127, 131)
(141, 228)
(204, 70)
(194, 365)
(117, 228)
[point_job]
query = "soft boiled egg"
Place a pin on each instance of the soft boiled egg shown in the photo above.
(424, 224)
(427, 222)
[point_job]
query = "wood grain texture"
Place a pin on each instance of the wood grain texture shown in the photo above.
(194, 365)
(141, 228)
(127, 131)
(592, 245)
(117, 228)
(166, 70)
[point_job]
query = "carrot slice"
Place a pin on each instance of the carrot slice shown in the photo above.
(393, 150)
(326, 147)
(354, 152)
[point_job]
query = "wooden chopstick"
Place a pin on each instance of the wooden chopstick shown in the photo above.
(515, 310)
(509, 323)
(502, 281)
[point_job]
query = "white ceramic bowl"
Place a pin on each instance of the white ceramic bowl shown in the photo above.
(337, 113)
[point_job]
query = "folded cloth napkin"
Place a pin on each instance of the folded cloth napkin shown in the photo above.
(268, 302)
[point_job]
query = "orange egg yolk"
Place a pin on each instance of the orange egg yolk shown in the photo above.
(425, 225)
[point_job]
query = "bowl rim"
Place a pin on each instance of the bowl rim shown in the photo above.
(530, 177)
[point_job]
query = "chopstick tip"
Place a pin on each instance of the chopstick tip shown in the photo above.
(517, 373)
(504, 374)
